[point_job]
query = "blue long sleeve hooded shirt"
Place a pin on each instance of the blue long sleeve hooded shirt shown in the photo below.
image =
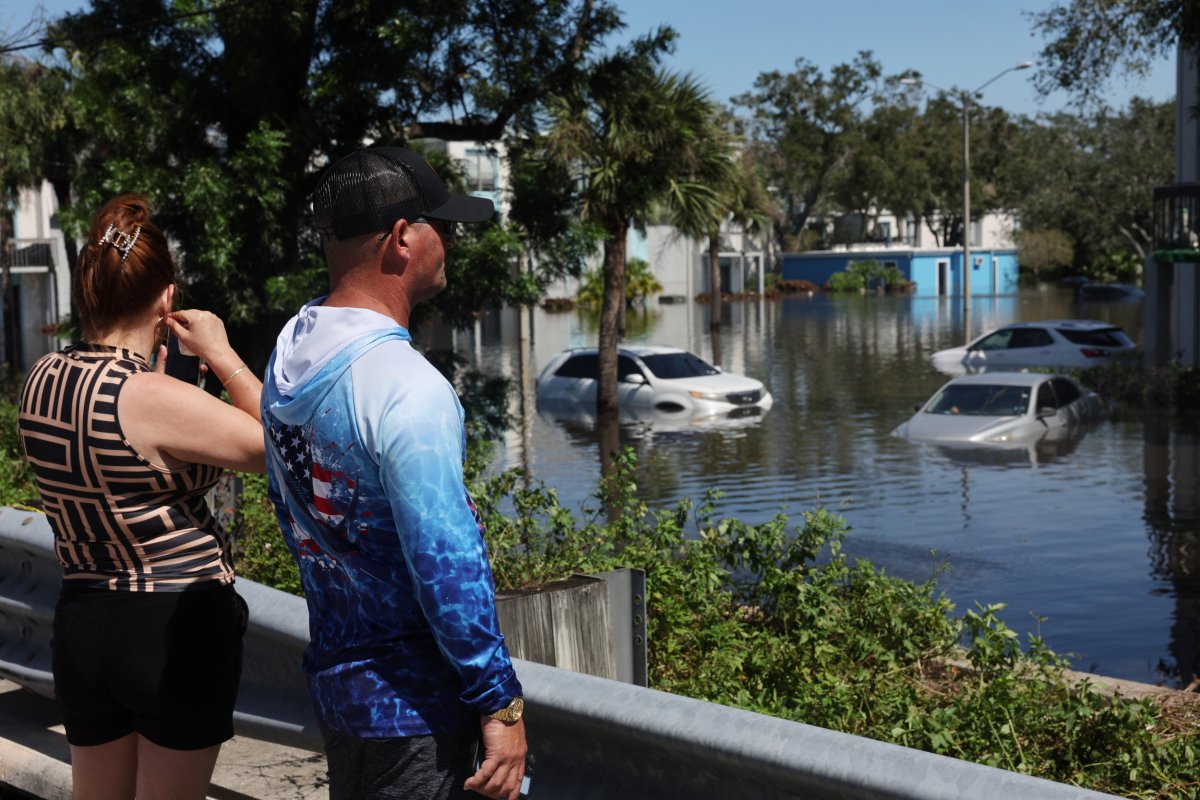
(365, 446)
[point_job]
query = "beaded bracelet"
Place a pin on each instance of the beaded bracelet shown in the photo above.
(236, 372)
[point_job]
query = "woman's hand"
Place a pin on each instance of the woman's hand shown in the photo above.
(202, 333)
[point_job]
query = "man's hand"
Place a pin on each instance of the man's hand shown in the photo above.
(503, 766)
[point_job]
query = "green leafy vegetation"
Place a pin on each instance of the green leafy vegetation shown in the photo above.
(640, 284)
(235, 111)
(259, 551)
(1130, 386)
(789, 626)
(17, 485)
(860, 276)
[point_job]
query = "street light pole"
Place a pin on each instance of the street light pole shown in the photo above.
(965, 97)
(966, 223)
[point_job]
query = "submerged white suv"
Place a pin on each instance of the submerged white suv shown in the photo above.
(663, 378)
(1061, 343)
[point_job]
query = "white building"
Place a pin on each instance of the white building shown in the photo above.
(39, 279)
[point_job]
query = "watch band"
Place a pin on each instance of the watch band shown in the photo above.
(510, 713)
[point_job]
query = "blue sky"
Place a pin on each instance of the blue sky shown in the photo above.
(954, 43)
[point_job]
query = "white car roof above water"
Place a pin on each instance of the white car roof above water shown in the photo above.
(1076, 324)
(1005, 378)
(638, 350)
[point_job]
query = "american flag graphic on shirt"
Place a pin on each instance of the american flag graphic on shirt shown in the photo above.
(325, 490)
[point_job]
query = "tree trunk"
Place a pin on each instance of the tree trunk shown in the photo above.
(608, 431)
(714, 281)
(610, 311)
(716, 346)
(621, 309)
(607, 403)
(7, 345)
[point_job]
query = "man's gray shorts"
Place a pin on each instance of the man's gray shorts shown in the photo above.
(432, 767)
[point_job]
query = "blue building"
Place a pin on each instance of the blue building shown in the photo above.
(936, 271)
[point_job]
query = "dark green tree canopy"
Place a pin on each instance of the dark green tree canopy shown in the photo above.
(1092, 177)
(804, 125)
(1090, 41)
(225, 118)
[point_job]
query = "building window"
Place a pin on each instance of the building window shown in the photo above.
(481, 170)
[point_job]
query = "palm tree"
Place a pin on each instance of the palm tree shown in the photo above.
(730, 171)
(640, 282)
(638, 136)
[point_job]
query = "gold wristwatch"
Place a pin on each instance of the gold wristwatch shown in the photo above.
(511, 712)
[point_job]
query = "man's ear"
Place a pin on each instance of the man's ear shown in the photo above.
(396, 252)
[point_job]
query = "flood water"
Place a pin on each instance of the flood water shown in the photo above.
(1098, 537)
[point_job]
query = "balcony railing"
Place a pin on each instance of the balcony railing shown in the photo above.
(29, 254)
(1177, 221)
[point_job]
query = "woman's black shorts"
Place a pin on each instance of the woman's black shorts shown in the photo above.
(163, 664)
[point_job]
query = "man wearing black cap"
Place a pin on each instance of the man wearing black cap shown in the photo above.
(406, 663)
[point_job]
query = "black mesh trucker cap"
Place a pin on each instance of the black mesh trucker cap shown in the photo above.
(368, 190)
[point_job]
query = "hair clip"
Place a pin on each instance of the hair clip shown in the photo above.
(124, 242)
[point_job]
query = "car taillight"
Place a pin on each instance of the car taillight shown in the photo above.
(1093, 352)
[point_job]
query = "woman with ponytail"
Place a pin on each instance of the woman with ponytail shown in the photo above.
(148, 630)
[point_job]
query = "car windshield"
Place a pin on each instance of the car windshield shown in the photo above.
(678, 365)
(981, 400)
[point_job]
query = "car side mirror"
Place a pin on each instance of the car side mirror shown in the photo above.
(635, 378)
(917, 407)
(1047, 412)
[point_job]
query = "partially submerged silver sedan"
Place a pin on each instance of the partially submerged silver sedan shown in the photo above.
(998, 408)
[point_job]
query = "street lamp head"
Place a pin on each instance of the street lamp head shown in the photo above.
(1024, 65)
(910, 81)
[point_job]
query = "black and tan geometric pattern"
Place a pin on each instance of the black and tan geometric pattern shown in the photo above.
(119, 521)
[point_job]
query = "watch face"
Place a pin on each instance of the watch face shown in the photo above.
(512, 712)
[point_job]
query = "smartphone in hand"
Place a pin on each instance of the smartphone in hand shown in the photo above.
(184, 367)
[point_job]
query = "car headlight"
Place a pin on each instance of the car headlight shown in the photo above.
(1001, 437)
(708, 395)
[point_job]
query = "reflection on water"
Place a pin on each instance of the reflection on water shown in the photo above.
(578, 419)
(1044, 451)
(1098, 535)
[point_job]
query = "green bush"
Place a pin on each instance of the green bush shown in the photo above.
(259, 551)
(860, 276)
(18, 487)
(845, 282)
(1121, 265)
(640, 284)
(775, 619)
(1130, 384)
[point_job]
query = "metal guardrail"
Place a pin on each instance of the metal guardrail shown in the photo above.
(590, 737)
